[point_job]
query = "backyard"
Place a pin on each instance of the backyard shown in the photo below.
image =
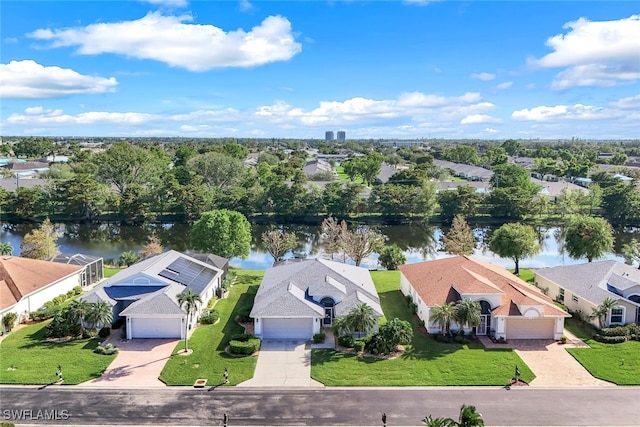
(29, 358)
(208, 342)
(425, 362)
(616, 363)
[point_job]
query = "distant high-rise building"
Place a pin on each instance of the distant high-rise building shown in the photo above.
(342, 135)
(328, 135)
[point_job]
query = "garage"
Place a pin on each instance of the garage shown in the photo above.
(298, 328)
(527, 328)
(155, 328)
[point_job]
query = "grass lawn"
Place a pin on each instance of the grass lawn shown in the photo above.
(110, 271)
(616, 363)
(425, 362)
(208, 342)
(36, 360)
(527, 275)
(344, 177)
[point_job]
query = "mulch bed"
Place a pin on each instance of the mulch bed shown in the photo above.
(399, 352)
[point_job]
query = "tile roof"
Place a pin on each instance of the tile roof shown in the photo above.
(277, 296)
(444, 280)
(21, 276)
(589, 280)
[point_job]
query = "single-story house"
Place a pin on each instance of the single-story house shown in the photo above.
(583, 287)
(510, 307)
(217, 261)
(92, 266)
(146, 294)
(26, 284)
(298, 297)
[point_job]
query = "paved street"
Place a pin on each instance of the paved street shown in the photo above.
(333, 406)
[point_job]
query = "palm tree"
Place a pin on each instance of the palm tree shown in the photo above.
(443, 315)
(602, 311)
(469, 417)
(429, 421)
(100, 314)
(340, 326)
(189, 301)
(6, 248)
(468, 313)
(78, 311)
(361, 318)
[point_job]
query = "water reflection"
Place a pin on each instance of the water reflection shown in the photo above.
(419, 242)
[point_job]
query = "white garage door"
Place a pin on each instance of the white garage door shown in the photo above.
(530, 328)
(155, 328)
(287, 328)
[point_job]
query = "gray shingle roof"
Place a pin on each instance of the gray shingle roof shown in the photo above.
(163, 301)
(589, 280)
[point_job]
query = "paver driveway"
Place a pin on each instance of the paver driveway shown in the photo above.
(283, 364)
(138, 364)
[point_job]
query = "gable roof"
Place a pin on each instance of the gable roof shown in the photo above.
(438, 282)
(287, 288)
(589, 280)
(20, 277)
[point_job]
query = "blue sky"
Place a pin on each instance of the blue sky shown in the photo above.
(294, 69)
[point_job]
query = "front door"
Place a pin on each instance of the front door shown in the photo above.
(328, 314)
(481, 329)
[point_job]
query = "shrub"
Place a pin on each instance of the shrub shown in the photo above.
(616, 331)
(89, 333)
(247, 347)
(563, 339)
(9, 320)
(358, 345)
(242, 337)
(104, 332)
(209, 317)
(409, 300)
(345, 341)
(319, 338)
(609, 339)
(107, 350)
(77, 290)
(45, 313)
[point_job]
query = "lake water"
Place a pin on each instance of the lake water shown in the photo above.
(419, 242)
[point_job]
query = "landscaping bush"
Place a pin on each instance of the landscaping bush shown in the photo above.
(409, 300)
(45, 313)
(247, 347)
(319, 338)
(107, 350)
(358, 345)
(209, 317)
(241, 337)
(460, 338)
(89, 333)
(104, 332)
(443, 338)
(610, 340)
(616, 331)
(345, 341)
(9, 321)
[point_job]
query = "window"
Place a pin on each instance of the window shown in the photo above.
(561, 296)
(617, 315)
(574, 298)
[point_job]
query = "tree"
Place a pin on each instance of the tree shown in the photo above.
(154, 247)
(459, 240)
(128, 258)
(389, 336)
(630, 251)
(429, 421)
(40, 243)
(361, 318)
(443, 315)
(601, 312)
(515, 241)
(468, 313)
(82, 196)
(9, 321)
(6, 248)
(512, 202)
(332, 234)
(589, 237)
(218, 170)
(391, 257)
(621, 202)
(278, 242)
(99, 314)
(78, 311)
(223, 232)
(469, 417)
(463, 200)
(189, 301)
(362, 242)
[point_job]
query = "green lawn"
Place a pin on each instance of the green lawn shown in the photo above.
(616, 363)
(36, 360)
(208, 342)
(527, 275)
(344, 177)
(110, 271)
(425, 362)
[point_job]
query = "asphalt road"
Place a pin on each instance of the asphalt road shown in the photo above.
(354, 406)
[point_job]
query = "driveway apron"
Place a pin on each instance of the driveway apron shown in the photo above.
(283, 363)
(138, 364)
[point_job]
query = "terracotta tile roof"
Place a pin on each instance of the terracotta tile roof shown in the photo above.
(435, 280)
(22, 276)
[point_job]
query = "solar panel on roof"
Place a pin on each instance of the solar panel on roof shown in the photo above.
(188, 273)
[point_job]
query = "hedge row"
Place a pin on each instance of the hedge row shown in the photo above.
(247, 347)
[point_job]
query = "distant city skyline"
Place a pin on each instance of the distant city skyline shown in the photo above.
(409, 69)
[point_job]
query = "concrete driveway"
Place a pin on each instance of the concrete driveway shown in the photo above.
(283, 364)
(138, 364)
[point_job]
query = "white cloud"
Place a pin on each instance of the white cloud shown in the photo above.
(479, 118)
(245, 6)
(172, 40)
(490, 130)
(599, 53)
(169, 3)
(483, 76)
(29, 80)
(504, 85)
(630, 103)
(544, 113)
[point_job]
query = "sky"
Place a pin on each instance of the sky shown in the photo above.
(295, 69)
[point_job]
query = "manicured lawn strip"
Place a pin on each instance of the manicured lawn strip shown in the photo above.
(37, 359)
(616, 363)
(111, 271)
(426, 362)
(344, 177)
(208, 342)
(527, 275)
